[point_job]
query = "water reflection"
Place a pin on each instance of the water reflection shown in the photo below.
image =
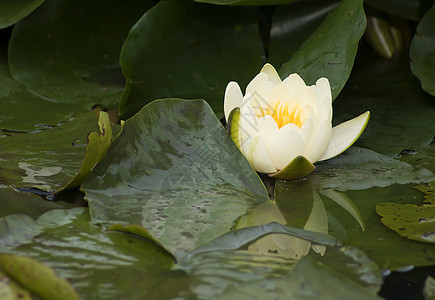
(317, 221)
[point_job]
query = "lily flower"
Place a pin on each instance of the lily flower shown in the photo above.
(283, 127)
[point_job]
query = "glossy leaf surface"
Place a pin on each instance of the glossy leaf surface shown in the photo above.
(330, 50)
(204, 47)
(74, 61)
(99, 265)
(292, 25)
(13, 11)
(422, 52)
(174, 162)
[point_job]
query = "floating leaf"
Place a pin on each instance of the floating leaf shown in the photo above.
(360, 169)
(99, 265)
(422, 52)
(70, 61)
(330, 51)
(414, 222)
(213, 46)
(218, 270)
(13, 11)
(173, 166)
(35, 113)
(385, 88)
(98, 143)
(429, 190)
(47, 159)
(37, 278)
(293, 24)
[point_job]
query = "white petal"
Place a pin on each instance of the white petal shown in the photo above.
(267, 129)
(233, 98)
(257, 155)
(306, 96)
(294, 83)
(320, 142)
(286, 145)
(248, 123)
(307, 130)
(271, 73)
(324, 89)
(345, 134)
(324, 111)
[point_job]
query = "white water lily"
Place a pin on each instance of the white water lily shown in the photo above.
(284, 126)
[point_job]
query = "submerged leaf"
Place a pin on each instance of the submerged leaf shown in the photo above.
(175, 171)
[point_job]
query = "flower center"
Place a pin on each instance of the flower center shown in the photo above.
(282, 115)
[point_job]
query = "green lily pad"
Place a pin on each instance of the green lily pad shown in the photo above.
(47, 159)
(381, 244)
(14, 202)
(360, 169)
(330, 51)
(22, 110)
(36, 277)
(13, 11)
(401, 113)
(414, 222)
(429, 190)
(70, 61)
(213, 46)
(173, 166)
(422, 52)
(293, 24)
(220, 271)
(99, 265)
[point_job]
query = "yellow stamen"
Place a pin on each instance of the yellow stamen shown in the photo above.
(282, 115)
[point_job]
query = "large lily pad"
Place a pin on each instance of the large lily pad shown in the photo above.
(13, 11)
(99, 265)
(218, 271)
(422, 52)
(69, 60)
(23, 111)
(107, 265)
(330, 51)
(175, 171)
(293, 24)
(204, 47)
